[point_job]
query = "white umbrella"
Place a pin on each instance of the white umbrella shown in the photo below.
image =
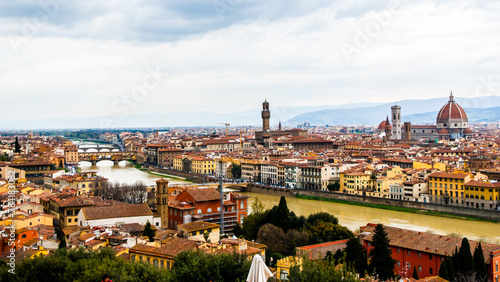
(258, 271)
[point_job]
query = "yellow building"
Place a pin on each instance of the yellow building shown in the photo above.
(283, 266)
(71, 154)
(355, 182)
(448, 187)
(421, 165)
(86, 182)
(196, 231)
(177, 163)
(202, 165)
(162, 257)
(482, 194)
(31, 254)
(65, 208)
(22, 221)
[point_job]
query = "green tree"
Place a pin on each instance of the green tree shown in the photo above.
(280, 217)
(355, 255)
(17, 147)
(238, 231)
(326, 232)
(381, 260)
(236, 171)
(82, 265)
(252, 223)
(148, 231)
(443, 270)
(4, 157)
(62, 244)
(373, 179)
(324, 271)
(273, 237)
(294, 239)
(465, 258)
(196, 266)
(257, 206)
(333, 187)
(479, 264)
(315, 218)
(415, 273)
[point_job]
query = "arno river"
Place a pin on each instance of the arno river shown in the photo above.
(351, 216)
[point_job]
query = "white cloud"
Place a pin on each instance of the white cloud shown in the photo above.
(290, 53)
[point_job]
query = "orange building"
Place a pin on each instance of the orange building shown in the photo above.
(203, 204)
(22, 236)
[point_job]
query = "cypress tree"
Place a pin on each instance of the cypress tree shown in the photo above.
(450, 269)
(415, 274)
(465, 258)
(355, 255)
(281, 216)
(148, 231)
(381, 260)
(443, 270)
(17, 147)
(454, 266)
(479, 264)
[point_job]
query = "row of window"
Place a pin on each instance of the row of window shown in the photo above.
(162, 263)
(446, 179)
(435, 185)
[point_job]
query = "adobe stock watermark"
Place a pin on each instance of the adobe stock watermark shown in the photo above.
(488, 85)
(363, 37)
(31, 26)
(11, 206)
(225, 6)
(123, 106)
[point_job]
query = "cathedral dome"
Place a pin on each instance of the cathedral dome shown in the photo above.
(381, 126)
(451, 112)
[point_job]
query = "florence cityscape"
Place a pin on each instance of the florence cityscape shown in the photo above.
(230, 140)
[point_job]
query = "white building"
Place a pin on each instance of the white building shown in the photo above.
(269, 174)
(292, 176)
(114, 215)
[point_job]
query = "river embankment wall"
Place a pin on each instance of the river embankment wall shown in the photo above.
(461, 211)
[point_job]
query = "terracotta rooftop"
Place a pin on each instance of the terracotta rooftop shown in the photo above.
(198, 225)
(172, 247)
(319, 251)
(427, 242)
(203, 195)
(92, 213)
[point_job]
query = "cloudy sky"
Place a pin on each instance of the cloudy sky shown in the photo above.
(63, 58)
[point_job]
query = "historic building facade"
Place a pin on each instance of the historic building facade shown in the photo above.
(451, 124)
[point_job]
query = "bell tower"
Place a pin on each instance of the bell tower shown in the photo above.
(396, 122)
(162, 201)
(266, 115)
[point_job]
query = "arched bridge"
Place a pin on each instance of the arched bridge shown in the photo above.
(116, 157)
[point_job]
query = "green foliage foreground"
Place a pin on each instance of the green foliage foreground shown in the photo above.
(80, 265)
(321, 271)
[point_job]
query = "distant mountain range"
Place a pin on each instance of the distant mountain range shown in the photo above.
(478, 109)
(170, 119)
(416, 111)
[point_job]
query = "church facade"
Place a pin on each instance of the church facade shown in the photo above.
(451, 124)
